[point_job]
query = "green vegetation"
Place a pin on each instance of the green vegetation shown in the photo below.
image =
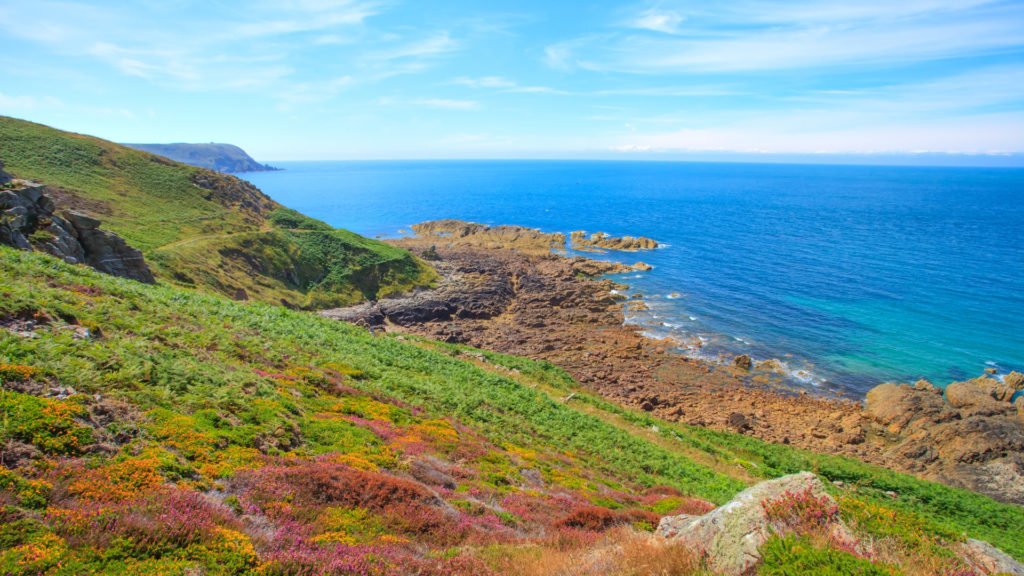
(205, 230)
(797, 556)
(249, 438)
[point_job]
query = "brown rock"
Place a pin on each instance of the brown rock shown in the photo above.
(743, 362)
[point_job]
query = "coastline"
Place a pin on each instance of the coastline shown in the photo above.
(504, 290)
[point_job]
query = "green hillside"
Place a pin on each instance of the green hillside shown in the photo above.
(155, 430)
(202, 229)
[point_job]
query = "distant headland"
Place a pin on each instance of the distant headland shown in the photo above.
(220, 157)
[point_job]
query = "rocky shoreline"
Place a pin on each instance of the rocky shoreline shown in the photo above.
(503, 289)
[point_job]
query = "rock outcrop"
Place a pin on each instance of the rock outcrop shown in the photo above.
(459, 233)
(28, 221)
(730, 536)
(599, 241)
(4, 176)
(973, 437)
(527, 240)
(985, 558)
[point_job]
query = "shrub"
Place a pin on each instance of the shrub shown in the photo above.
(802, 511)
(797, 555)
(48, 424)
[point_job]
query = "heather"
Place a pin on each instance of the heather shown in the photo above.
(150, 429)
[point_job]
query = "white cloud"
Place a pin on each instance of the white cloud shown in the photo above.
(656, 20)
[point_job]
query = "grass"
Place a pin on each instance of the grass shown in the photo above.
(204, 230)
(249, 438)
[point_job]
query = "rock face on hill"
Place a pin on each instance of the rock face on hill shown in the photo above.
(974, 437)
(4, 176)
(220, 157)
(28, 221)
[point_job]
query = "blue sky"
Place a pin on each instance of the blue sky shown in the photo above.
(339, 79)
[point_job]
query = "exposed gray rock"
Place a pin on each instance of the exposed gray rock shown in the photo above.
(729, 537)
(987, 559)
(4, 176)
(28, 222)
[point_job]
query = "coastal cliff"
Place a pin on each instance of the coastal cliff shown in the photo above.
(218, 157)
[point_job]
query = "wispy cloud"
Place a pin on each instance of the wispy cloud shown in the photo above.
(431, 46)
(448, 104)
(502, 84)
(783, 35)
(436, 103)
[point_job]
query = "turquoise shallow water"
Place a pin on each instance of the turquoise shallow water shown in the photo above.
(851, 274)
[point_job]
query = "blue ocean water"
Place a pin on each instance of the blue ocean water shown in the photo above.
(852, 275)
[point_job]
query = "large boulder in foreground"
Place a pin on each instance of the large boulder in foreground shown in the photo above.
(730, 536)
(972, 437)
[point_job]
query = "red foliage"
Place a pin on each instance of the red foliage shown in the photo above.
(802, 510)
(321, 482)
(598, 519)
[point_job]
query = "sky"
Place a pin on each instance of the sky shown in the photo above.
(368, 79)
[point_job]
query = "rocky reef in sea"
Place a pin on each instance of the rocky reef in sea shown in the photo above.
(529, 240)
(600, 241)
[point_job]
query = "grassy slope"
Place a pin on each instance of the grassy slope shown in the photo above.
(229, 398)
(221, 239)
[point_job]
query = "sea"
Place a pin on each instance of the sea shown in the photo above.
(849, 275)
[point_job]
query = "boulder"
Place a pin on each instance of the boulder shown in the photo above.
(981, 395)
(730, 536)
(987, 559)
(4, 176)
(743, 362)
(1014, 381)
(896, 406)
